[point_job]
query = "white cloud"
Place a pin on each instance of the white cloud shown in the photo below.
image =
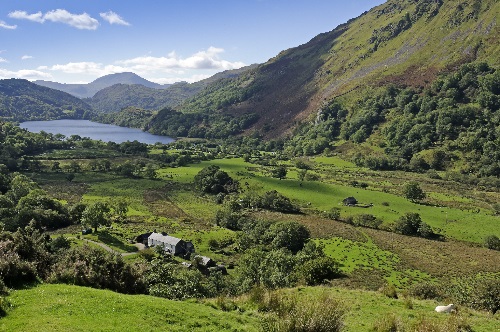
(79, 21)
(90, 68)
(22, 15)
(113, 18)
(6, 26)
(208, 59)
(24, 73)
(168, 69)
(26, 57)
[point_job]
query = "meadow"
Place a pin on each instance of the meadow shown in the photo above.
(370, 259)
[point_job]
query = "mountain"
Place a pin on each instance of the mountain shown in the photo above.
(22, 100)
(406, 43)
(119, 96)
(90, 89)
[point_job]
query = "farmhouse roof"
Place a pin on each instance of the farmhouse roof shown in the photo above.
(164, 238)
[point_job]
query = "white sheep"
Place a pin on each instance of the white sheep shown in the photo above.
(446, 308)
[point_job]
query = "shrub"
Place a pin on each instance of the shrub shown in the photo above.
(94, 267)
(390, 291)
(453, 323)
(426, 291)
(317, 271)
(366, 220)
(492, 242)
(388, 323)
(480, 292)
(334, 213)
(324, 314)
(273, 200)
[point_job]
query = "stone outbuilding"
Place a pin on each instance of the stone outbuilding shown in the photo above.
(350, 201)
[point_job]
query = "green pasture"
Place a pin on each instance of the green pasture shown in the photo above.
(366, 255)
(459, 224)
(71, 308)
(114, 189)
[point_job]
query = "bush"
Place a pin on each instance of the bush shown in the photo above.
(324, 314)
(389, 291)
(426, 291)
(94, 267)
(492, 242)
(480, 292)
(273, 200)
(334, 213)
(366, 220)
(319, 270)
(388, 323)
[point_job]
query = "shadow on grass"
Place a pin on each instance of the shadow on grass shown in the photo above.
(113, 241)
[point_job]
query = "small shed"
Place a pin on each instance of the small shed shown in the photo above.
(171, 245)
(350, 201)
(204, 261)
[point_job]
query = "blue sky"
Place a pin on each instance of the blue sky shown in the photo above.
(165, 41)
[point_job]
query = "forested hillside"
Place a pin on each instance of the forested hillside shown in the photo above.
(21, 100)
(119, 96)
(407, 43)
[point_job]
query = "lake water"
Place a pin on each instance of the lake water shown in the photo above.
(94, 130)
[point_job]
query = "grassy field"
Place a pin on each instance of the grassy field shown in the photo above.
(462, 224)
(71, 308)
(354, 255)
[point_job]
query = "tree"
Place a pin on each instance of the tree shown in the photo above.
(318, 270)
(301, 173)
(121, 209)
(412, 224)
(279, 172)
(413, 192)
(213, 180)
(273, 200)
(95, 215)
(288, 234)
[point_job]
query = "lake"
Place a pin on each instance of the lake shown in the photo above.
(94, 130)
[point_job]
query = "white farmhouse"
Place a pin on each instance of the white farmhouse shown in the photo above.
(170, 244)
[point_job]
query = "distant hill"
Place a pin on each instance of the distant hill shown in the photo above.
(90, 89)
(23, 100)
(119, 96)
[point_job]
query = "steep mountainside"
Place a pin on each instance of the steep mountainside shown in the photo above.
(120, 96)
(90, 89)
(402, 42)
(23, 100)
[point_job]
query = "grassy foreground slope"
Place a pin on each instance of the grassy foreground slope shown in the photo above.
(72, 308)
